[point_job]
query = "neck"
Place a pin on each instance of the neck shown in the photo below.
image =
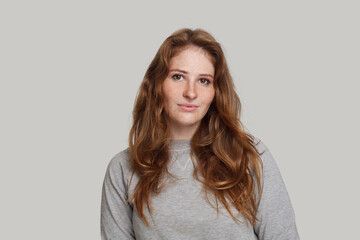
(183, 132)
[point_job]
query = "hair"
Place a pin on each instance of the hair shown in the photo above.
(228, 162)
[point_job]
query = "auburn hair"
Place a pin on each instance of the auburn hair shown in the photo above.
(228, 163)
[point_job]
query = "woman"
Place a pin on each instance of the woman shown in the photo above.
(191, 171)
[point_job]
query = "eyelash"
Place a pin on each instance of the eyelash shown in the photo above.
(175, 76)
(207, 81)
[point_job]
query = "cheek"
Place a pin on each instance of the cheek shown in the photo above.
(168, 102)
(167, 99)
(210, 97)
(167, 91)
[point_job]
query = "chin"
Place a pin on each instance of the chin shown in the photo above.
(188, 123)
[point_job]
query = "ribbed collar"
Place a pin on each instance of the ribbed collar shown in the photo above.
(179, 145)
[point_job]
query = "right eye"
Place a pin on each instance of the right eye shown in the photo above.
(177, 77)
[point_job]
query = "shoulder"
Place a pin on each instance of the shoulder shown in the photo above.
(120, 165)
(276, 218)
(269, 164)
(262, 149)
(121, 159)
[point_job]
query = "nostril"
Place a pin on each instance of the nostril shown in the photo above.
(190, 92)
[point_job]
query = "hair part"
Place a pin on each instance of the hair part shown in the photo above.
(227, 159)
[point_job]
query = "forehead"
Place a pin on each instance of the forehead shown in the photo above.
(194, 58)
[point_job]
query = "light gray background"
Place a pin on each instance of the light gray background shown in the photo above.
(69, 75)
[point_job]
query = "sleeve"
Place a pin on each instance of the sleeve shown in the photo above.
(276, 217)
(116, 212)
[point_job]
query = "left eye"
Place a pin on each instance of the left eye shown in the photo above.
(204, 81)
(177, 77)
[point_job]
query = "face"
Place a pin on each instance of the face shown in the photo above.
(188, 90)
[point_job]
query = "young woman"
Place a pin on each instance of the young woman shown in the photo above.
(191, 171)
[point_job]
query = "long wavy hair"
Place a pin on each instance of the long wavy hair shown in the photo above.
(228, 163)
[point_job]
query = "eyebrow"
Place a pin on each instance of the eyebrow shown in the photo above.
(185, 72)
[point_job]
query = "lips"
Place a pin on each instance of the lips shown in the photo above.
(188, 107)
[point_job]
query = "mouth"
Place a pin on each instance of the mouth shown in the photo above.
(188, 107)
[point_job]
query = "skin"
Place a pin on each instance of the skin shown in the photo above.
(188, 91)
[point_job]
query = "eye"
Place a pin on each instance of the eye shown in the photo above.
(177, 77)
(204, 81)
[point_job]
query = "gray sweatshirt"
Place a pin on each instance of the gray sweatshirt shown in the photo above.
(181, 210)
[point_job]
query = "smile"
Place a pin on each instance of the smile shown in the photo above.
(188, 107)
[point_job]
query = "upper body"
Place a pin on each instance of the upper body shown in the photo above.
(187, 108)
(181, 211)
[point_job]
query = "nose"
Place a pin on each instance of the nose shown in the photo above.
(190, 91)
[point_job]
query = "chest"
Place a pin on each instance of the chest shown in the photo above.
(181, 211)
